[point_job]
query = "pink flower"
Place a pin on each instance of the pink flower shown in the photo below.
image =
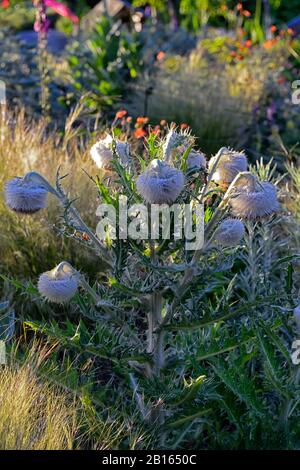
(41, 26)
(62, 10)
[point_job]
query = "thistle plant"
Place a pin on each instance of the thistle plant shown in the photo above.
(153, 287)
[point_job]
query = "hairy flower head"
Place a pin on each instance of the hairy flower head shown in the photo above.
(102, 152)
(58, 285)
(253, 199)
(173, 140)
(230, 164)
(161, 183)
(25, 196)
(196, 160)
(229, 232)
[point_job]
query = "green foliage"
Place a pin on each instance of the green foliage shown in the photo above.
(283, 10)
(102, 64)
(18, 17)
(224, 376)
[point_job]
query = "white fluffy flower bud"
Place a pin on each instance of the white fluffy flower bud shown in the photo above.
(229, 232)
(253, 199)
(60, 284)
(229, 166)
(102, 152)
(160, 183)
(25, 196)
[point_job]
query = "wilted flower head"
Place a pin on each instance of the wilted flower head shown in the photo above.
(25, 196)
(102, 152)
(161, 183)
(230, 164)
(253, 199)
(229, 232)
(60, 284)
(196, 160)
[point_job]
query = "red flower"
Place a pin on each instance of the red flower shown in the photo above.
(239, 7)
(156, 130)
(246, 13)
(160, 56)
(141, 120)
(248, 43)
(140, 133)
(62, 10)
(273, 28)
(5, 3)
(120, 114)
(184, 125)
(281, 80)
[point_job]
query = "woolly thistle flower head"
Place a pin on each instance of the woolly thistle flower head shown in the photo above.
(173, 140)
(60, 284)
(102, 152)
(23, 195)
(253, 199)
(230, 164)
(161, 183)
(229, 232)
(196, 160)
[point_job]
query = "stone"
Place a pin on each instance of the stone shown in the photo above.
(56, 40)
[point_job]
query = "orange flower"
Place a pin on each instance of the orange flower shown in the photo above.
(290, 31)
(239, 7)
(269, 43)
(129, 119)
(273, 28)
(120, 114)
(156, 130)
(160, 56)
(184, 125)
(246, 13)
(85, 237)
(142, 120)
(248, 43)
(140, 133)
